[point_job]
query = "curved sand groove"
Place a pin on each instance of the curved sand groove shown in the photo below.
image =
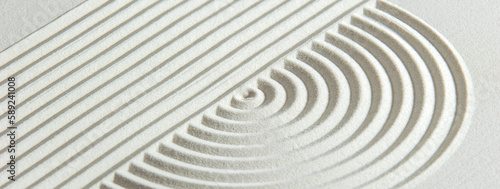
(371, 105)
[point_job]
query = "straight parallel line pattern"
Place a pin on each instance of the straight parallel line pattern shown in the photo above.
(68, 107)
(75, 54)
(91, 76)
(92, 60)
(115, 94)
(121, 74)
(73, 87)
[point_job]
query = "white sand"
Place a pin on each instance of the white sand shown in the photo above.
(239, 94)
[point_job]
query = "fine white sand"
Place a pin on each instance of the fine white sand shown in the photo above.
(221, 94)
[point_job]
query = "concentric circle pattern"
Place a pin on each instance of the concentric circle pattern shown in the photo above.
(376, 103)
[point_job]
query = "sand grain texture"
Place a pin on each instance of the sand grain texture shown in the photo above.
(243, 94)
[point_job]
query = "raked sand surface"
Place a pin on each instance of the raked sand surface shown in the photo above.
(250, 94)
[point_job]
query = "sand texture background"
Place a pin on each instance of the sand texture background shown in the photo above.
(243, 94)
